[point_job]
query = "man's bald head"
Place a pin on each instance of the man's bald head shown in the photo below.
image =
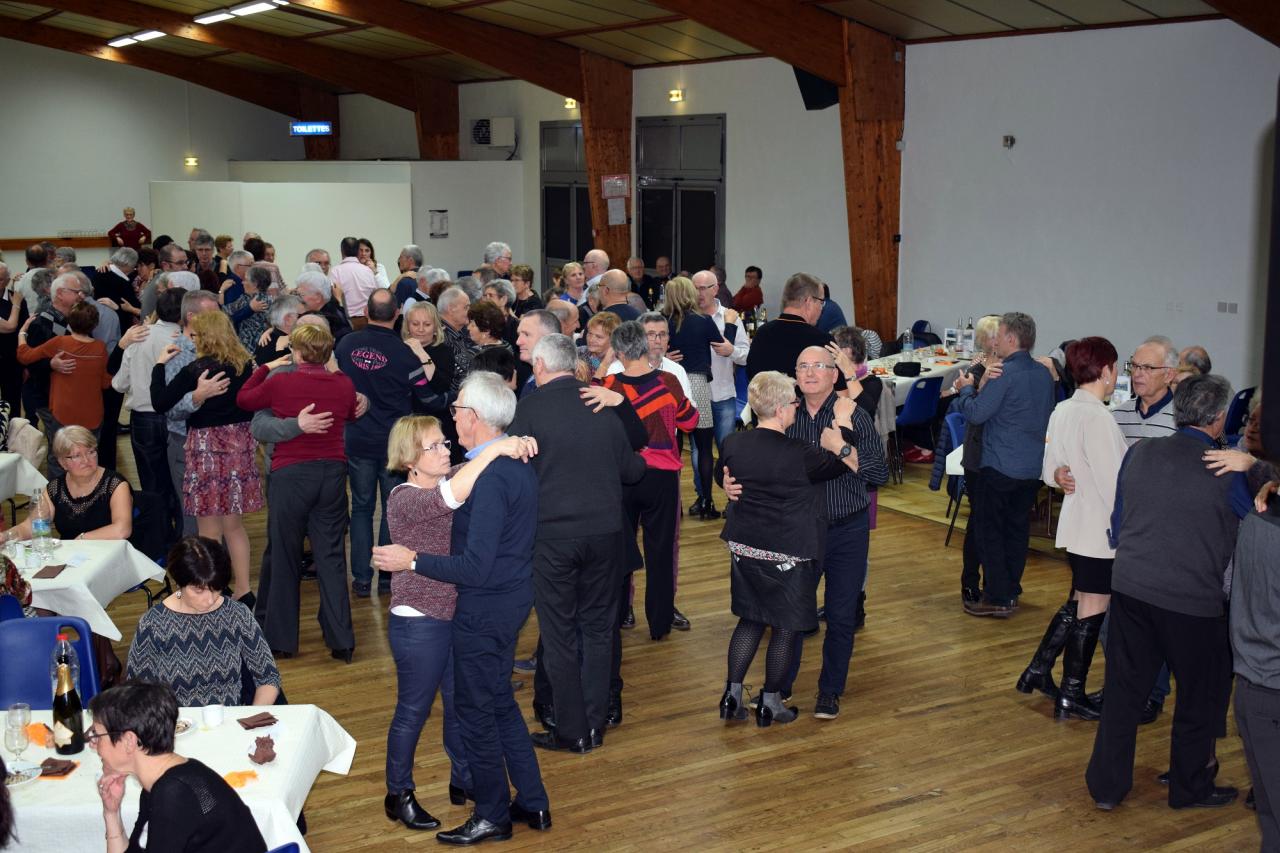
(816, 373)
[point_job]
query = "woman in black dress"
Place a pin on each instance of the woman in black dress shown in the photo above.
(87, 501)
(184, 806)
(775, 535)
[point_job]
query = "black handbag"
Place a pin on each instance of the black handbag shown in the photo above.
(907, 368)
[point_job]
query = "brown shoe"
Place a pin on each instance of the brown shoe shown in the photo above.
(986, 608)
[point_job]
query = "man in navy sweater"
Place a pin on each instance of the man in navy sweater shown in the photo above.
(492, 567)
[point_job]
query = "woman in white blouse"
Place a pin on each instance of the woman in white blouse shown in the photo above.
(1082, 434)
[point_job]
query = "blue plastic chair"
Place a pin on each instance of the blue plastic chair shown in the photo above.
(25, 648)
(1238, 411)
(10, 608)
(956, 424)
(921, 407)
(291, 847)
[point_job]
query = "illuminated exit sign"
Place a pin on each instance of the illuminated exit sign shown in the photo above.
(311, 128)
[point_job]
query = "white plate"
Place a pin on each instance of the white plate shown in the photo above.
(184, 727)
(20, 773)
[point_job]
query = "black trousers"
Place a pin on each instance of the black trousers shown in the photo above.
(970, 574)
(112, 400)
(1198, 650)
(1258, 719)
(307, 499)
(1004, 531)
(654, 504)
(574, 588)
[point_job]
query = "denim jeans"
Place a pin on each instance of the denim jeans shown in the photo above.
(368, 477)
(724, 414)
(423, 652)
(149, 437)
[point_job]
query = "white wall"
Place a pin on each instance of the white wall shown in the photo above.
(81, 138)
(370, 129)
(1134, 200)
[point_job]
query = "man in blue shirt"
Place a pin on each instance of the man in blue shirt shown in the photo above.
(1014, 407)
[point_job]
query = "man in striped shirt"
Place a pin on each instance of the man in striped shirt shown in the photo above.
(654, 502)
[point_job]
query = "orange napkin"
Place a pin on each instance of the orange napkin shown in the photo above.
(40, 735)
(239, 778)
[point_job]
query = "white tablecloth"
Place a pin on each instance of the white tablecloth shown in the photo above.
(18, 476)
(65, 815)
(928, 367)
(96, 572)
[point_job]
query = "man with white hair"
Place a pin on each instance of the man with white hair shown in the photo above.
(116, 284)
(409, 263)
(492, 568)
(576, 570)
(423, 282)
(724, 356)
(453, 305)
(320, 258)
(64, 293)
(594, 264)
(498, 256)
(317, 297)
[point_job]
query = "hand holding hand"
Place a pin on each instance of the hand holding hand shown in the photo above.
(832, 440)
(843, 411)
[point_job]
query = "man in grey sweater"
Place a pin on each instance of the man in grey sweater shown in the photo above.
(1174, 529)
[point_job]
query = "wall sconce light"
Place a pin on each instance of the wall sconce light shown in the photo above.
(191, 161)
(675, 96)
(570, 104)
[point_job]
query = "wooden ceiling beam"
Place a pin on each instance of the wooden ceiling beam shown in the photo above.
(381, 80)
(541, 61)
(799, 34)
(264, 90)
(1261, 17)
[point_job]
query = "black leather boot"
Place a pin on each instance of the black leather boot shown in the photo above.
(403, 806)
(731, 707)
(1081, 644)
(772, 710)
(1039, 673)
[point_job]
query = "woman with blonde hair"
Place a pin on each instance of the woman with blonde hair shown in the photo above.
(984, 359)
(574, 283)
(694, 334)
(422, 330)
(222, 481)
(595, 347)
(419, 626)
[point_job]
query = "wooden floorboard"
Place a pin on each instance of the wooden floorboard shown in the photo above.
(934, 749)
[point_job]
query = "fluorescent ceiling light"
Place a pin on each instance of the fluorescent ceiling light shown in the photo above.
(214, 17)
(148, 35)
(123, 41)
(281, 2)
(252, 8)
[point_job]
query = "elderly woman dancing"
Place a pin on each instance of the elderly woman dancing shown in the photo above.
(774, 533)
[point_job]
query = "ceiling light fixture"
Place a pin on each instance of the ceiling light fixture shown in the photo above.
(123, 41)
(252, 8)
(675, 96)
(214, 17)
(281, 2)
(148, 35)
(570, 104)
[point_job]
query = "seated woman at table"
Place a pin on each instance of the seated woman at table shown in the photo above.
(199, 641)
(849, 348)
(774, 533)
(184, 806)
(87, 501)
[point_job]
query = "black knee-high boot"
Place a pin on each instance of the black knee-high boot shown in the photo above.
(1039, 673)
(1081, 644)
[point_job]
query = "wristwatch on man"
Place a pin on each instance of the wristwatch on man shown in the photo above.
(845, 451)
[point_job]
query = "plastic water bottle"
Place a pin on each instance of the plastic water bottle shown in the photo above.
(908, 345)
(41, 524)
(64, 652)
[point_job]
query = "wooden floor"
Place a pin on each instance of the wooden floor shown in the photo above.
(934, 749)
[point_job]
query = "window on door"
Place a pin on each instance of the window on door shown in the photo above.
(680, 196)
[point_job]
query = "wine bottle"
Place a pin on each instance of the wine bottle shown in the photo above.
(68, 716)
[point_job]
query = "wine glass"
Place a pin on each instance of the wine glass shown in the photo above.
(19, 714)
(16, 740)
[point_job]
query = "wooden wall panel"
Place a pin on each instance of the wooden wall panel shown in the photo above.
(319, 105)
(436, 118)
(607, 140)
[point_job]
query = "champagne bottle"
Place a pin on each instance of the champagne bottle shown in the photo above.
(68, 717)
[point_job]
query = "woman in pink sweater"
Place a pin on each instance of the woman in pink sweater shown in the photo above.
(420, 516)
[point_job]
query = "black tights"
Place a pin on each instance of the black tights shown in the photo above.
(742, 648)
(702, 440)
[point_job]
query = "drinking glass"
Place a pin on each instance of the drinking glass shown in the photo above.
(16, 740)
(19, 714)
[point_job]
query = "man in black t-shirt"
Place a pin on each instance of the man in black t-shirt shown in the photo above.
(779, 342)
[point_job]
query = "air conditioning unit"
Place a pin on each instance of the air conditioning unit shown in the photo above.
(495, 132)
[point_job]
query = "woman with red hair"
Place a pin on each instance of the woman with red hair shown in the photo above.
(1082, 434)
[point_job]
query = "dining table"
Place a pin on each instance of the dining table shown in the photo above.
(64, 814)
(94, 573)
(932, 363)
(18, 476)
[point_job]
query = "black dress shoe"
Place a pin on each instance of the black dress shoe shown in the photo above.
(698, 508)
(1150, 711)
(459, 796)
(629, 621)
(474, 831)
(545, 715)
(403, 806)
(279, 654)
(596, 737)
(614, 718)
(539, 819)
(970, 596)
(344, 655)
(679, 621)
(1217, 797)
(360, 588)
(709, 511)
(552, 741)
